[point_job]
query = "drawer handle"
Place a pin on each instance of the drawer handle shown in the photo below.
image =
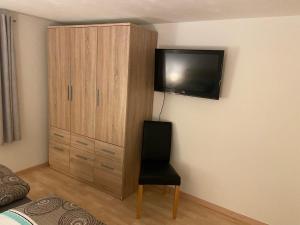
(58, 135)
(107, 151)
(58, 149)
(81, 157)
(107, 167)
(83, 143)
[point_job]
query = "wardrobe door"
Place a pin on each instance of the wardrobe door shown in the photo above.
(112, 74)
(83, 80)
(59, 77)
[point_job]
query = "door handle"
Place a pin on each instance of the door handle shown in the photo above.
(71, 92)
(58, 135)
(82, 143)
(58, 149)
(81, 157)
(98, 97)
(107, 167)
(68, 92)
(107, 151)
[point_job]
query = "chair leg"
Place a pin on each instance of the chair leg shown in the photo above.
(139, 201)
(176, 201)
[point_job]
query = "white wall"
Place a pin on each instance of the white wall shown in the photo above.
(243, 151)
(31, 56)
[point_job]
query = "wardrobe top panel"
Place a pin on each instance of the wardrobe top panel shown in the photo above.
(94, 25)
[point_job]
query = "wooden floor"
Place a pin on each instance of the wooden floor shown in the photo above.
(157, 206)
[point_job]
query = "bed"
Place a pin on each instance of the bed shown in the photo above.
(17, 209)
(13, 190)
(15, 204)
(50, 210)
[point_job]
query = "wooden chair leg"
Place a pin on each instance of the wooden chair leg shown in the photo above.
(176, 201)
(139, 200)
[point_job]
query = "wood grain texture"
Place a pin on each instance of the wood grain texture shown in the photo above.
(82, 164)
(83, 80)
(112, 211)
(59, 135)
(108, 182)
(109, 151)
(221, 210)
(140, 100)
(118, 61)
(59, 77)
(92, 25)
(32, 168)
(109, 166)
(59, 156)
(112, 77)
(83, 143)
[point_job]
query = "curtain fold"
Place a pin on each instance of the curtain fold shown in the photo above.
(9, 109)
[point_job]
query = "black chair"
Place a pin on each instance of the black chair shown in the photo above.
(155, 161)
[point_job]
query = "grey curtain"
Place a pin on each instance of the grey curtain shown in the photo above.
(9, 110)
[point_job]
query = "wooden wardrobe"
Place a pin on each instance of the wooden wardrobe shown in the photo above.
(100, 92)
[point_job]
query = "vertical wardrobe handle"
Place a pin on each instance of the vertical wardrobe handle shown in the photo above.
(98, 96)
(68, 92)
(71, 92)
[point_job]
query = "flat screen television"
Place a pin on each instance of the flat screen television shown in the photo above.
(189, 72)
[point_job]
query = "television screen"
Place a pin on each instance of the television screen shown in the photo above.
(189, 72)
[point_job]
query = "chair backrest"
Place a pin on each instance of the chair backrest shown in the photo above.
(157, 137)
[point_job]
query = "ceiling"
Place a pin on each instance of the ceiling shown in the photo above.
(151, 11)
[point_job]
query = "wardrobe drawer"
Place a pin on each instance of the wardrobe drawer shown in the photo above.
(83, 143)
(59, 135)
(109, 166)
(109, 151)
(108, 181)
(82, 164)
(59, 157)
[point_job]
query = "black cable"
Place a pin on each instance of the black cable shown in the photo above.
(162, 106)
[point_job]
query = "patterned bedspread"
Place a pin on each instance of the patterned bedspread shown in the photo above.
(12, 188)
(48, 211)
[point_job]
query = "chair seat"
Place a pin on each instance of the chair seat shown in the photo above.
(159, 174)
